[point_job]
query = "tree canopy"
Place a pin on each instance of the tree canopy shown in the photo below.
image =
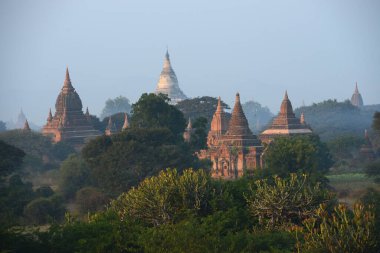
(153, 111)
(116, 105)
(258, 116)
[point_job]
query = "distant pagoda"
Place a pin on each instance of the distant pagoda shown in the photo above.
(69, 123)
(168, 83)
(356, 98)
(286, 123)
(232, 147)
(366, 150)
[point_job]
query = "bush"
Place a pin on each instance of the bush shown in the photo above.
(90, 199)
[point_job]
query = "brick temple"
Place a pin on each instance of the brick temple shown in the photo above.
(69, 123)
(232, 147)
(286, 123)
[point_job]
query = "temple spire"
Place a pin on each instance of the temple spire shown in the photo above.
(356, 88)
(189, 125)
(286, 106)
(126, 122)
(26, 126)
(67, 86)
(219, 107)
(87, 112)
(111, 128)
(238, 124)
(286, 95)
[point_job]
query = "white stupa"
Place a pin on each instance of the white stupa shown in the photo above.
(168, 83)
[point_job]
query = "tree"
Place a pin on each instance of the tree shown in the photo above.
(11, 158)
(285, 202)
(90, 199)
(341, 231)
(376, 121)
(200, 107)
(2, 126)
(74, 174)
(158, 200)
(153, 111)
(41, 210)
(123, 160)
(198, 138)
(306, 154)
(116, 105)
(258, 116)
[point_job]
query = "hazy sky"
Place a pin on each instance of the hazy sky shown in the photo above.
(314, 49)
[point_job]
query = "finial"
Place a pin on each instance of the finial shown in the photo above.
(356, 88)
(87, 112)
(67, 74)
(237, 97)
(286, 95)
(189, 125)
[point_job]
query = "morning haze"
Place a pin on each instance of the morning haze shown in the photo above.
(315, 49)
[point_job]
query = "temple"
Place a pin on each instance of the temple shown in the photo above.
(168, 83)
(188, 132)
(111, 127)
(232, 147)
(69, 124)
(286, 123)
(26, 126)
(356, 98)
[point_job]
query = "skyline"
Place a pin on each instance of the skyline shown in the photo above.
(316, 51)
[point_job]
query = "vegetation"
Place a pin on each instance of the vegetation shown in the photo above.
(305, 154)
(331, 118)
(258, 116)
(286, 202)
(116, 105)
(10, 159)
(3, 126)
(200, 107)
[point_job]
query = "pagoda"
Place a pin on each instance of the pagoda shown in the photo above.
(69, 124)
(356, 99)
(168, 83)
(286, 123)
(232, 147)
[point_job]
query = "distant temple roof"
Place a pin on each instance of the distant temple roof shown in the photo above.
(286, 123)
(238, 123)
(168, 82)
(356, 98)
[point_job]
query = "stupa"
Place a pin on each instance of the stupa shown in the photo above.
(356, 98)
(168, 83)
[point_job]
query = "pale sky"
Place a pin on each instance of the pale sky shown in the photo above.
(316, 49)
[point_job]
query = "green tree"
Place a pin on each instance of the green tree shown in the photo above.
(341, 231)
(90, 199)
(74, 174)
(306, 154)
(200, 107)
(376, 121)
(116, 105)
(42, 210)
(158, 200)
(153, 111)
(285, 202)
(199, 135)
(2, 126)
(123, 160)
(11, 158)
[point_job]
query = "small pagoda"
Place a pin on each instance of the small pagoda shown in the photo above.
(286, 123)
(356, 99)
(69, 123)
(232, 147)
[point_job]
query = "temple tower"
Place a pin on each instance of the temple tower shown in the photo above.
(69, 123)
(356, 98)
(286, 123)
(111, 128)
(219, 124)
(188, 132)
(126, 122)
(168, 82)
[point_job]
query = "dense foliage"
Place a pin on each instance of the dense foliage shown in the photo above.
(200, 107)
(306, 154)
(153, 111)
(10, 158)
